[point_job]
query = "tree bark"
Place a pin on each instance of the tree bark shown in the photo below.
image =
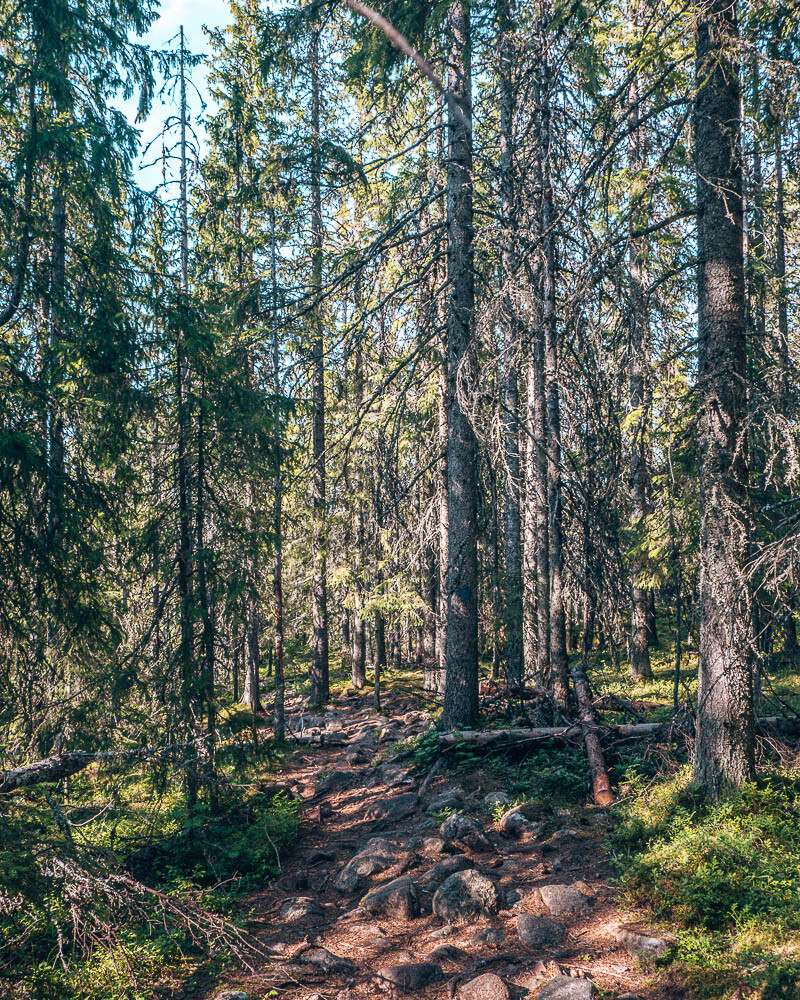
(724, 754)
(320, 690)
(278, 718)
(511, 509)
(559, 669)
(461, 685)
(637, 252)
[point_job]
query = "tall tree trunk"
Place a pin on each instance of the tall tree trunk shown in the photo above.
(55, 416)
(537, 534)
(724, 754)
(461, 685)
(780, 264)
(207, 634)
(278, 719)
(185, 553)
(358, 660)
(559, 669)
(444, 517)
(319, 611)
(637, 251)
(512, 519)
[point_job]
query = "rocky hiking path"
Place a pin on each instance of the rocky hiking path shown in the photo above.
(379, 898)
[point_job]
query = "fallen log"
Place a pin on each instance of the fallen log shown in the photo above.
(787, 725)
(55, 768)
(64, 765)
(601, 783)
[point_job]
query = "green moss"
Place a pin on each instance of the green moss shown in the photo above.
(725, 875)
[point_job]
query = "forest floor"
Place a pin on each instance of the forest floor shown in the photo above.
(369, 818)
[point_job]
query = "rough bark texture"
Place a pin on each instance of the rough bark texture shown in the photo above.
(559, 669)
(724, 748)
(319, 586)
(279, 723)
(461, 687)
(444, 519)
(639, 645)
(513, 528)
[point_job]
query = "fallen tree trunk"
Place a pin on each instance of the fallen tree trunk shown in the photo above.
(601, 783)
(787, 725)
(63, 765)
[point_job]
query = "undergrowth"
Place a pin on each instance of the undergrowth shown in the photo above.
(724, 877)
(99, 854)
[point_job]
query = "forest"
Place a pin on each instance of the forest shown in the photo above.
(400, 501)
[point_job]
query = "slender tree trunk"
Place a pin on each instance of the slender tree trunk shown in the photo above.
(537, 528)
(185, 554)
(637, 251)
(207, 634)
(278, 719)
(461, 685)
(724, 754)
(512, 517)
(358, 659)
(780, 265)
(55, 417)
(251, 692)
(559, 669)
(319, 611)
(444, 518)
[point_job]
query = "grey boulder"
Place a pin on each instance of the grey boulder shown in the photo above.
(465, 897)
(397, 898)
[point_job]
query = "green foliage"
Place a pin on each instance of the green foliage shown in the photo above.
(193, 857)
(728, 874)
(553, 774)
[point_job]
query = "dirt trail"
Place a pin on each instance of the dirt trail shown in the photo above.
(356, 912)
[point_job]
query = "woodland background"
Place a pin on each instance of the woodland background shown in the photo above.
(491, 392)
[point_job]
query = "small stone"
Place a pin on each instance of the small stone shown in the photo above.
(465, 897)
(563, 836)
(466, 830)
(318, 857)
(325, 960)
(443, 932)
(642, 943)
(300, 908)
(567, 988)
(392, 809)
(538, 932)
(485, 987)
(514, 822)
(234, 995)
(396, 898)
(564, 900)
(431, 846)
(492, 936)
(411, 975)
(334, 781)
(446, 954)
(376, 856)
(444, 869)
(451, 798)
(511, 898)
(491, 801)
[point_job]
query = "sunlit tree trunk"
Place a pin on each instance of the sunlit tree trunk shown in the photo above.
(724, 754)
(461, 684)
